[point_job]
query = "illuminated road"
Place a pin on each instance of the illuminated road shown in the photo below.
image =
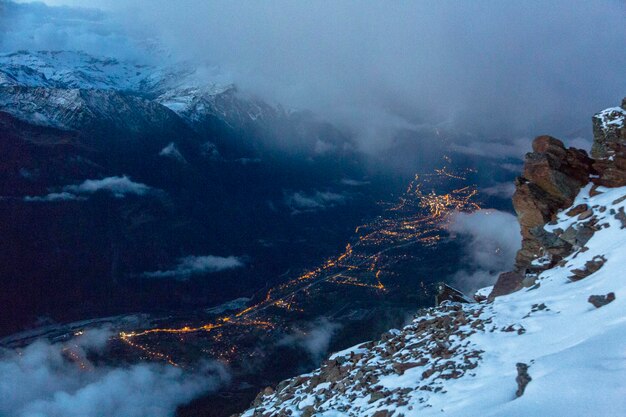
(419, 217)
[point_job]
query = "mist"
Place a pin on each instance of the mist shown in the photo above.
(491, 71)
(490, 239)
(59, 379)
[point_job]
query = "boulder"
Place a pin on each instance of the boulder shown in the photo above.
(601, 300)
(507, 283)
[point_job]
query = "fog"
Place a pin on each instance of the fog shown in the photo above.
(58, 380)
(492, 238)
(496, 71)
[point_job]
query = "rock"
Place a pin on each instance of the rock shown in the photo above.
(590, 267)
(577, 210)
(621, 216)
(381, 413)
(507, 283)
(400, 368)
(601, 300)
(552, 177)
(308, 411)
(576, 235)
(522, 379)
(609, 146)
(375, 396)
(608, 131)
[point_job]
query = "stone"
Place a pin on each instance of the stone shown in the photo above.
(308, 411)
(591, 267)
(522, 379)
(621, 216)
(577, 210)
(608, 130)
(375, 396)
(507, 283)
(601, 300)
(609, 147)
(401, 367)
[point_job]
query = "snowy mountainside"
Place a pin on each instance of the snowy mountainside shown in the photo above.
(185, 90)
(75, 69)
(544, 350)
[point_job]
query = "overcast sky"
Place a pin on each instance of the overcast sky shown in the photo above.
(497, 70)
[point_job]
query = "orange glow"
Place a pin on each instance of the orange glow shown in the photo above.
(417, 218)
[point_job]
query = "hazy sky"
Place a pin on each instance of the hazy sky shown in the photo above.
(498, 70)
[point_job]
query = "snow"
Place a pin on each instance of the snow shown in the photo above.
(612, 117)
(576, 352)
(194, 93)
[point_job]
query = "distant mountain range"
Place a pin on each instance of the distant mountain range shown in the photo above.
(224, 168)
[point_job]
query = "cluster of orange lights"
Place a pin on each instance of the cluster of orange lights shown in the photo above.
(406, 223)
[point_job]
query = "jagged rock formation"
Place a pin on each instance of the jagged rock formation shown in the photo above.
(609, 146)
(553, 176)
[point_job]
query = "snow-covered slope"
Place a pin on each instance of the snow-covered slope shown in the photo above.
(64, 69)
(545, 350)
(192, 93)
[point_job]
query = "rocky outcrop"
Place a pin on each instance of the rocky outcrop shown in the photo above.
(609, 146)
(552, 178)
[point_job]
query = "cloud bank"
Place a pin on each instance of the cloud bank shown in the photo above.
(197, 265)
(58, 380)
(496, 71)
(500, 70)
(492, 238)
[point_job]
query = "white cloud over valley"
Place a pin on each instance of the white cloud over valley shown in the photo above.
(58, 380)
(197, 265)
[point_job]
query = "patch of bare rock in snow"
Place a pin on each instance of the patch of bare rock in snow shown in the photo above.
(551, 344)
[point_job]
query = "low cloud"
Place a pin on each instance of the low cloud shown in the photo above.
(502, 190)
(318, 200)
(171, 151)
(492, 238)
(197, 265)
(515, 148)
(63, 196)
(58, 380)
(314, 338)
(353, 183)
(515, 168)
(118, 186)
